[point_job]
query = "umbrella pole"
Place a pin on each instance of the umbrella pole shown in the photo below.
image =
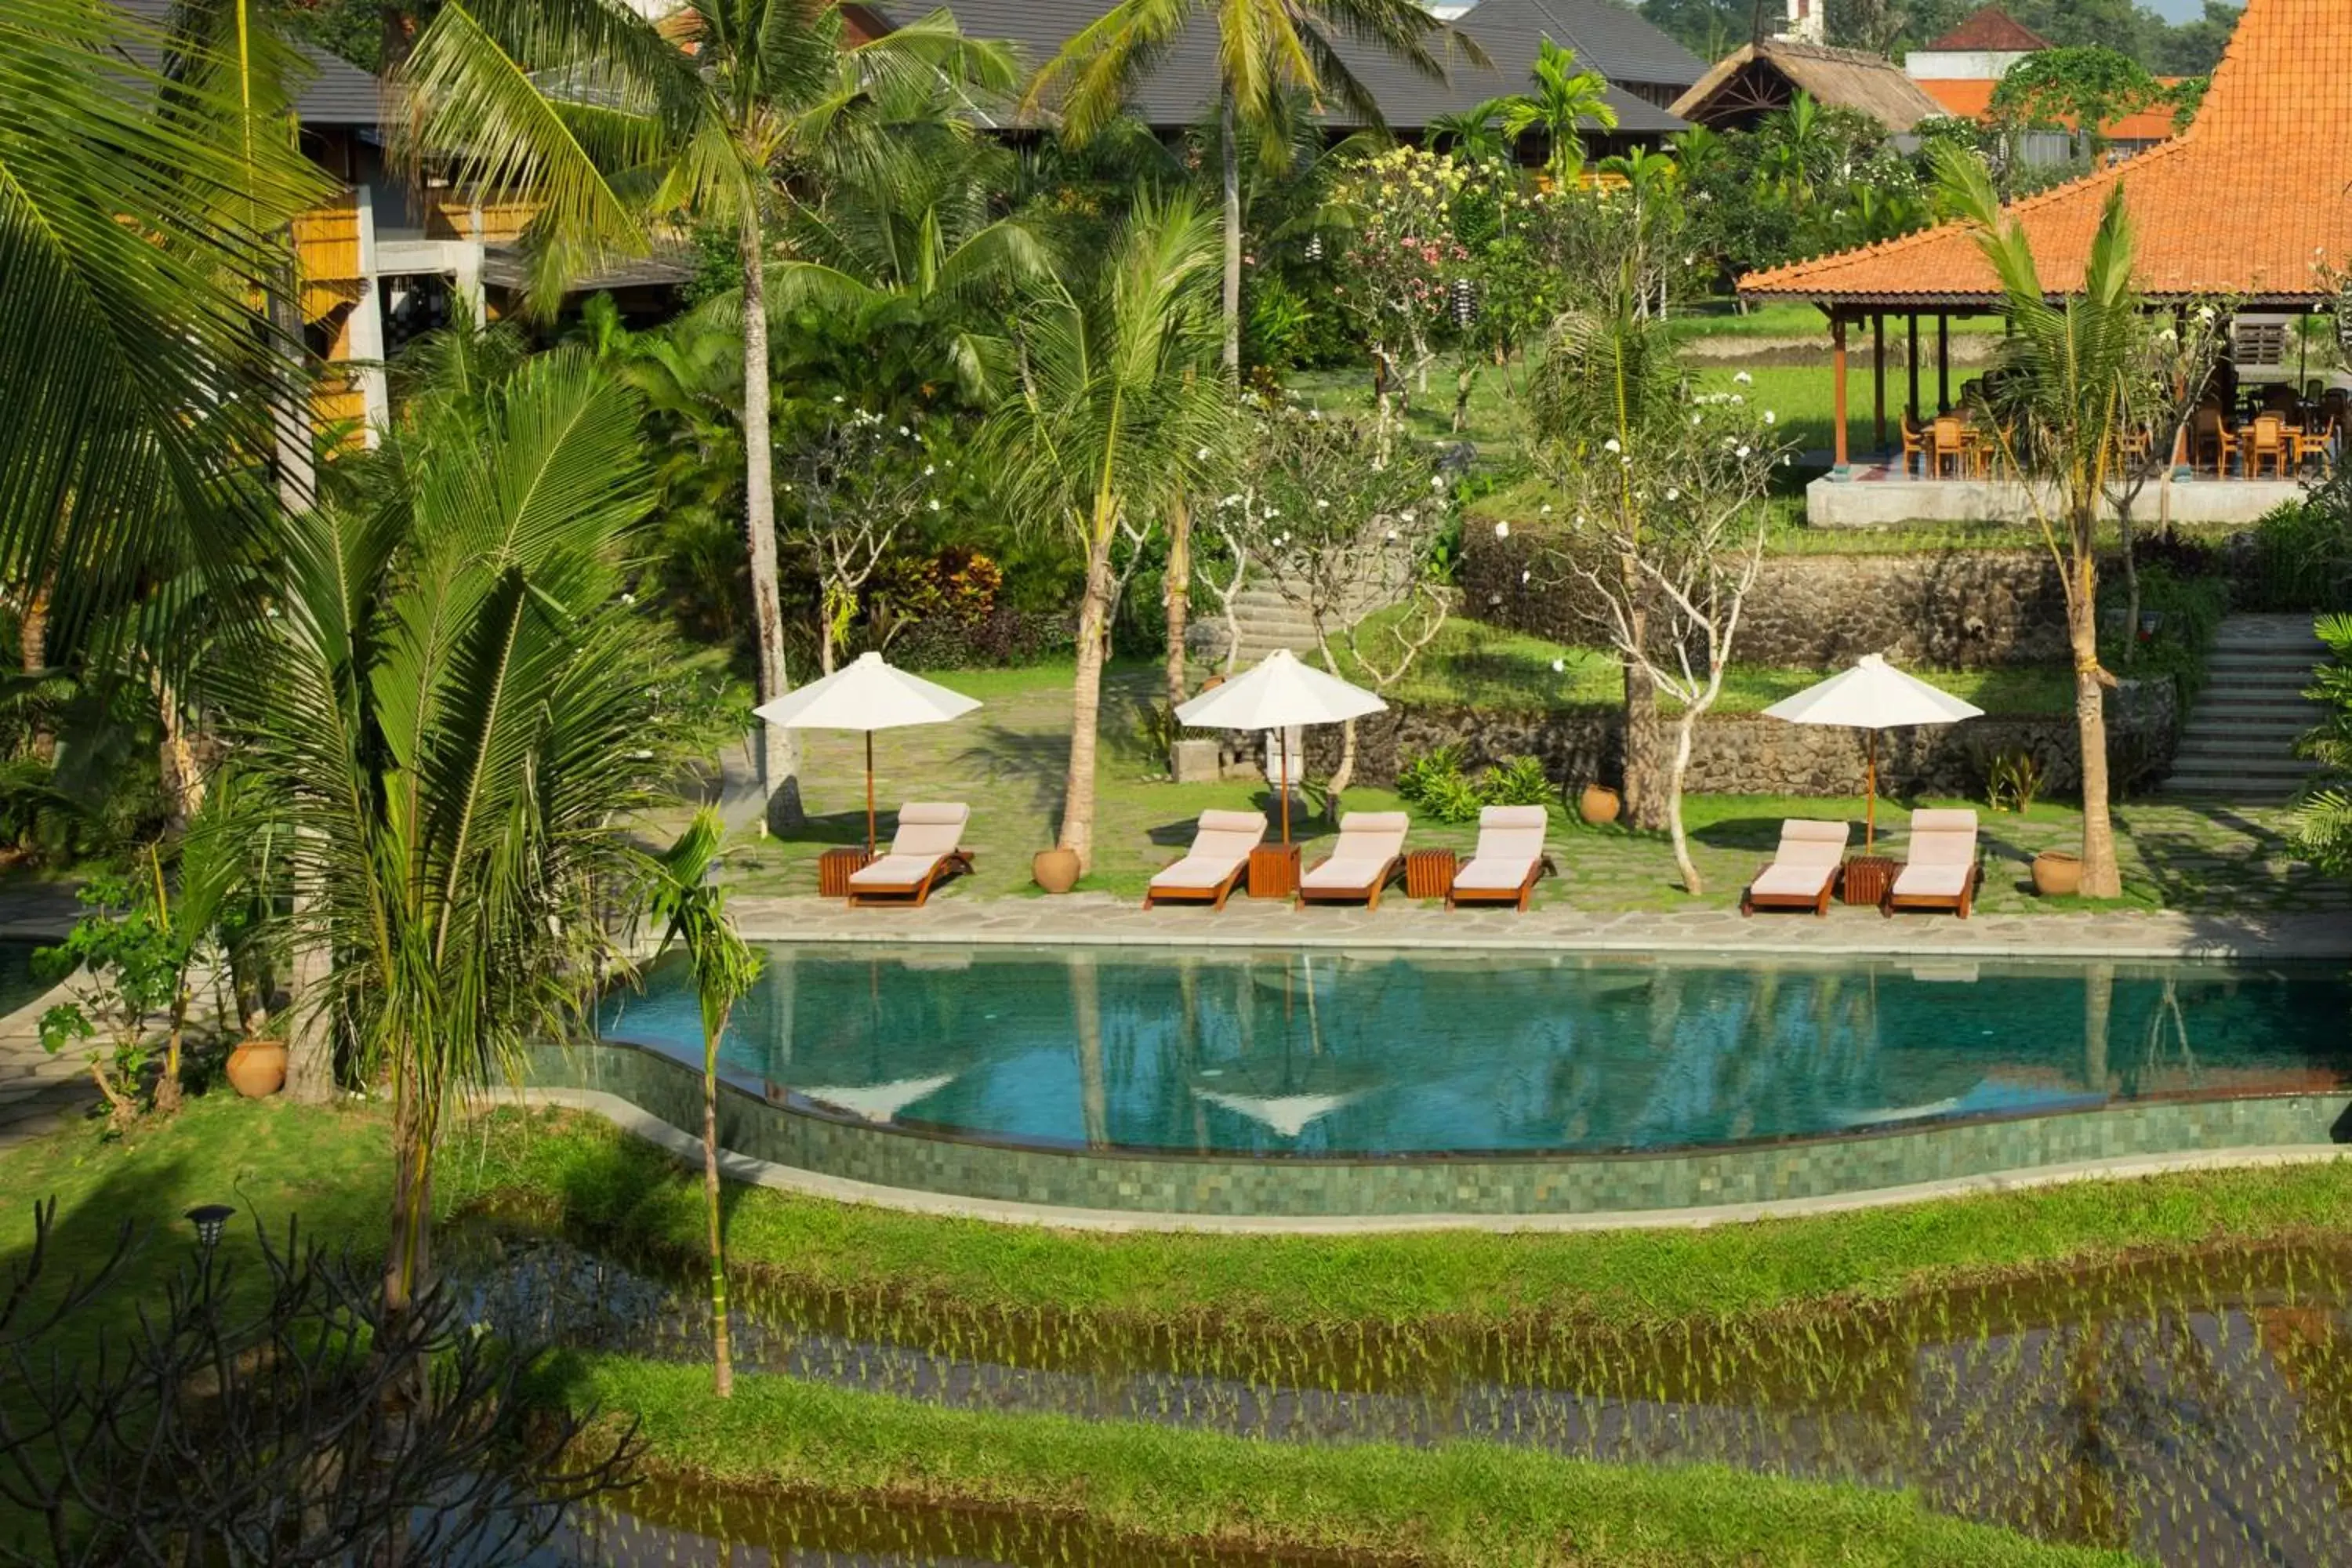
(1283, 788)
(1870, 807)
(869, 794)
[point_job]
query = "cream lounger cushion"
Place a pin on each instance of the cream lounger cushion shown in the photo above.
(1369, 840)
(1809, 857)
(928, 829)
(1510, 842)
(1221, 844)
(1943, 855)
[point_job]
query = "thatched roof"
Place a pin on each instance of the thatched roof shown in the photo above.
(1757, 79)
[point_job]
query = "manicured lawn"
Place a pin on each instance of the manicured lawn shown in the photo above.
(1720, 319)
(1455, 1503)
(1008, 761)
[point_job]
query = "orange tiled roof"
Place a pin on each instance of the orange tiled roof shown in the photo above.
(2243, 202)
(1971, 98)
(1991, 30)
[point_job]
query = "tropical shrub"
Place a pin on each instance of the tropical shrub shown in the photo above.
(2300, 557)
(2013, 781)
(1434, 785)
(123, 952)
(2323, 825)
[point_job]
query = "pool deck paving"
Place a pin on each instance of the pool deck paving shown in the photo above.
(1847, 931)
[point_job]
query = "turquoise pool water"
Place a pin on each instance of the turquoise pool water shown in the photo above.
(1375, 1054)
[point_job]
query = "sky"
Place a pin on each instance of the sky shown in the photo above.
(2176, 10)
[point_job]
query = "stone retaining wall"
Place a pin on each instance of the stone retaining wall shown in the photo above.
(1945, 609)
(1746, 754)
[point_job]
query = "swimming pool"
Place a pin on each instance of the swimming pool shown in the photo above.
(1385, 1055)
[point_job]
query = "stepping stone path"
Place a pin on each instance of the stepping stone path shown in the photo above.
(2238, 743)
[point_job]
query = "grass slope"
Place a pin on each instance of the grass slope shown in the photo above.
(1456, 1504)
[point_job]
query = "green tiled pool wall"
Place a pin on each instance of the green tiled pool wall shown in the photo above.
(1222, 1184)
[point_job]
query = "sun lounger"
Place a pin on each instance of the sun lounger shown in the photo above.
(927, 849)
(1944, 869)
(1218, 860)
(1509, 858)
(1370, 854)
(1803, 870)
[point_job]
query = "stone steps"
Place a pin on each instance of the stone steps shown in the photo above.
(2238, 742)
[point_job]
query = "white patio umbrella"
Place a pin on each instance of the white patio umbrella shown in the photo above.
(1873, 696)
(867, 694)
(1279, 692)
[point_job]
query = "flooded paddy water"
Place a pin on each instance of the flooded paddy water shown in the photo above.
(2196, 1408)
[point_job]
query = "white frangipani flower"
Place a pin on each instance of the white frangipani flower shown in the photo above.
(1560, 667)
(1502, 531)
(1770, 417)
(1742, 378)
(1611, 445)
(1742, 452)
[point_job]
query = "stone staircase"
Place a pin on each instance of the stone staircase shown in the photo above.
(1265, 621)
(2238, 742)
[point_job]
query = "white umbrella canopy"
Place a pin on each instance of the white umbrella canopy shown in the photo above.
(1278, 693)
(1873, 696)
(867, 694)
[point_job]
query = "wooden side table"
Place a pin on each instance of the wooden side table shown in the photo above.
(835, 867)
(1274, 871)
(1428, 873)
(1867, 878)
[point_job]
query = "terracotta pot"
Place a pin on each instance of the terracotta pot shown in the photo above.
(1056, 870)
(258, 1068)
(1598, 804)
(2057, 873)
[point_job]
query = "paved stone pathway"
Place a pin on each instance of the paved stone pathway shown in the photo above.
(1400, 924)
(38, 1091)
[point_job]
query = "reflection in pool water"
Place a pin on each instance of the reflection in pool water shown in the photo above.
(1287, 1053)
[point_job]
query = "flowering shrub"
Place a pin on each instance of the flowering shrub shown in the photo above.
(1396, 275)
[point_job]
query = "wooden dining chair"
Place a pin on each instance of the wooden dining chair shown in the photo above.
(2317, 440)
(2210, 433)
(1951, 445)
(2267, 442)
(1914, 445)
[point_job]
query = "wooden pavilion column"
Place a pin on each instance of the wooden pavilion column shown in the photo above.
(1837, 382)
(1914, 405)
(1943, 362)
(1878, 373)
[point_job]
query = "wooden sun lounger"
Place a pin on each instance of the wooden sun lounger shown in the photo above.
(1215, 864)
(1945, 868)
(1368, 857)
(1508, 860)
(1802, 871)
(927, 849)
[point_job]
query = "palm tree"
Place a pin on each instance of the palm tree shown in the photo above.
(692, 905)
(1267, 49)
(615, 122)
(919, 257)
(1473, 134)
(1795, 140)
(2064, 388)
(457, 712)
(138, 368)
(1115, 416)
(1565, 101)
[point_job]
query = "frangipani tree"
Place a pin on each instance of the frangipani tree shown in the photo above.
(615, 122)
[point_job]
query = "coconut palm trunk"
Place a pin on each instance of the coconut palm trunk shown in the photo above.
(1178, 593)
(722, 1354)
(1232, 176)
(779, 752)
(1086, 702)
(2101, 873)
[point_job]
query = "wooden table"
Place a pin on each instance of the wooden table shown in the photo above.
(1428, 873)
(835, 867)
(1274, 871)
(1866, 879)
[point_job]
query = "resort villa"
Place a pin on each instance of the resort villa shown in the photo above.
(2245, 212)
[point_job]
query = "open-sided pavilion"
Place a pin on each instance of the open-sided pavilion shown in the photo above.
(2250, 206)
